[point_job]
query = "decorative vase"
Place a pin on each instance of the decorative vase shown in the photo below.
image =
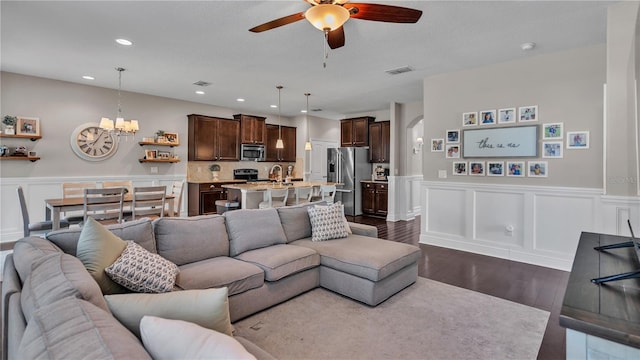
(9, 130)
(215, 175)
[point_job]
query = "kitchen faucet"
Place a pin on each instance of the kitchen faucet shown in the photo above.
(279, 172)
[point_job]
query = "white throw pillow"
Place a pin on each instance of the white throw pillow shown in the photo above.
(327, 222)
(344, 218)
(177, 339)
(142, 271)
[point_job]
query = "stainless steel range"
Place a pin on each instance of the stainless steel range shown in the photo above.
(251, 175)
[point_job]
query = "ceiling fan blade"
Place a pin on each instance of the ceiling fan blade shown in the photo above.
(335, 38)
(385, 13)
(278, 22)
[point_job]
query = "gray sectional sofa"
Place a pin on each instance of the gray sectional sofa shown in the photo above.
(263, 257)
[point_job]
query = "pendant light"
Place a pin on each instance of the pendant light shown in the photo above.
(307, 145)
(120, 126)
(279, 143)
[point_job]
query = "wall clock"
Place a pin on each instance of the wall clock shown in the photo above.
(92, 143)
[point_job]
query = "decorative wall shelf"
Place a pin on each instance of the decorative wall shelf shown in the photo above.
(142, 143)
(30, 158)
(30, 137)
(174, 160)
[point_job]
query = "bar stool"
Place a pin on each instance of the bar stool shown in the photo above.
(275, 198)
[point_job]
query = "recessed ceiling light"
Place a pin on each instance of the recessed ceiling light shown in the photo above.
(527, 46)
(239, 99)
(274, 106)
(200, 92)
(124, 42)
(87, 77)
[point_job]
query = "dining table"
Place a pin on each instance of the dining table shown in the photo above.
(56, 206)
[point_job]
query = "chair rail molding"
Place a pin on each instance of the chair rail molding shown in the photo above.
(539, 225)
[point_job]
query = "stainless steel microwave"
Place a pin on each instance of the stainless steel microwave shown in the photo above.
(252, 152)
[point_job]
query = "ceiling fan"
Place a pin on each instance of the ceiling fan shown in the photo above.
(329, 16)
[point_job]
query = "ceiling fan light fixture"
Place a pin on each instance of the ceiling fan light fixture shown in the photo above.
(327, 16)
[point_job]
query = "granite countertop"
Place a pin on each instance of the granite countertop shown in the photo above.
(220, 181)
(375, 181)
(265, 185)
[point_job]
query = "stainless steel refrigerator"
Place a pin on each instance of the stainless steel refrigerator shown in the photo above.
(348, 166)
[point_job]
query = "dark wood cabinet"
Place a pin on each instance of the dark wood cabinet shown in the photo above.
(212, 138)
(355, 131)
(287, 154)
(375, 198)
(202, 198)
(253, 129)
(379, 141)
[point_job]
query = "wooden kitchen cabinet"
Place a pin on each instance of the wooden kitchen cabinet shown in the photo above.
(203, 196)
(379, 141)
(355, 131)
(287, 154)
(253, 129)
(213, 139)
(374, 198)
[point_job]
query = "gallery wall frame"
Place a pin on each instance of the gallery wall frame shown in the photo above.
(505, 142)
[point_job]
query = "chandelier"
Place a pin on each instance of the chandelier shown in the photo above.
(120, 126)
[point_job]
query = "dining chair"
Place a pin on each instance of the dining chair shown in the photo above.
(275, 198)
(177, 189)
(328, 193)
(148, 201)
(127, 184)
(75, 190)
(303, 194)
(29, 227)
(104, 205)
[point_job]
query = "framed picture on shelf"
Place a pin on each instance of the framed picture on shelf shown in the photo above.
(515, 168)
(459, 168)
(437, 145)
(488, 117)
(453, 136)
(528, 113)
(165, 155)
(552, 149)
(470, 119)
(507, 116)
(577, 139)
(495, 168)
(476, 168)
(151, 154)
(32, 154)
(538, 169)
(28, 126)
(552, 131)
(171, 138)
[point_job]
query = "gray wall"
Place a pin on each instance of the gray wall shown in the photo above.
(566, 86)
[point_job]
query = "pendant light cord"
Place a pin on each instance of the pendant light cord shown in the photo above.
(120, 70)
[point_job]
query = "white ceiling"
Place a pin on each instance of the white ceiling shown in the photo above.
(177, 43)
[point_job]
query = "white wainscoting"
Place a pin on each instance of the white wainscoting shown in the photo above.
(536, 225)
(36, 190)
(404, 197)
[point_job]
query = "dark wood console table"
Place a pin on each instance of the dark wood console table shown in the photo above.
(609, 311)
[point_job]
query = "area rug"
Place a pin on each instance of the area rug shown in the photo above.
(428, 320)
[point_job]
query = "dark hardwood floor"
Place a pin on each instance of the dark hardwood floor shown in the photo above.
(531, 285)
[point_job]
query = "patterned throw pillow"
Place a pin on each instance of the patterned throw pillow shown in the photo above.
(142, 271)
(327, 222)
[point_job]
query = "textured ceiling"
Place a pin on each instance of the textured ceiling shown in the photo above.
(177, 43)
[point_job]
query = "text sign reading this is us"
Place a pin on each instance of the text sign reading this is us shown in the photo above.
(516, 141)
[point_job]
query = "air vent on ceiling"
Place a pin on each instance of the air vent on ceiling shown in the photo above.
(202, 83)
(399, 70)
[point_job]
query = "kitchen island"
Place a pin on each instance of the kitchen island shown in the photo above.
(252, 193)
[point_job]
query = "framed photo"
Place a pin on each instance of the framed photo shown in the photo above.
(507, 116)
(164, 155)
(437, 145)
(515, 168)
(453, 136)
(32, 154)
(488, 117)
(28, 126)
(470, 119)
(459, 168)
(171, 138)
(505, 141)
(528, 113)
(552, 149)
(538, 169)
(476, 168)
(151, 154)
(453, 151)
(577, 139)
(495, 168)
(552, 131)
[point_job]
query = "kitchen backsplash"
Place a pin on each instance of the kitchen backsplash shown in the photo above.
(199, 170)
